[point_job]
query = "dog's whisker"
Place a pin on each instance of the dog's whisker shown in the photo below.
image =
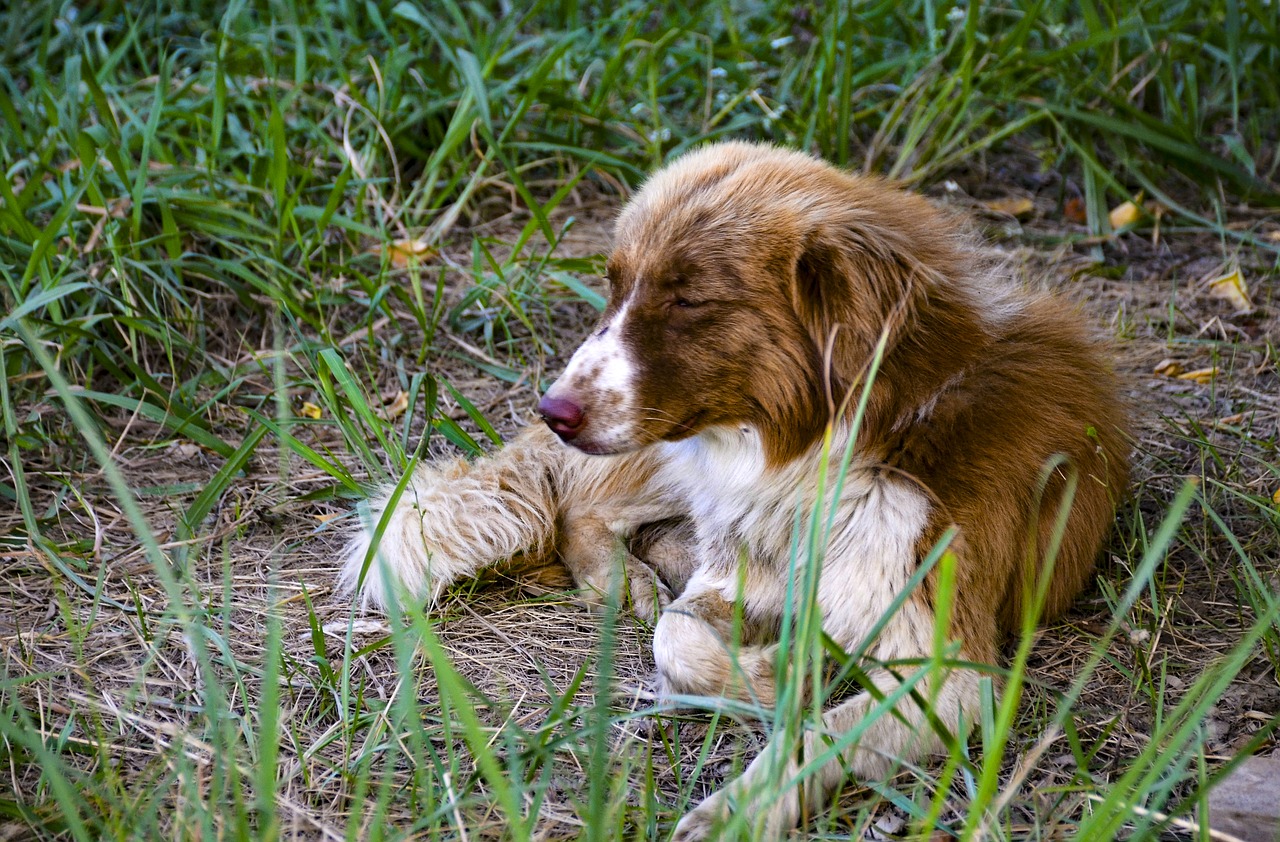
(656, 414)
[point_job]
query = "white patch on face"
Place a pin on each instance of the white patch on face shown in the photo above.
(600, 378)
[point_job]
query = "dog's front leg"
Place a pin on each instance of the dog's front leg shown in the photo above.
(451, 520)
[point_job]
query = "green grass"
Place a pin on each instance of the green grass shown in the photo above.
(196, 226)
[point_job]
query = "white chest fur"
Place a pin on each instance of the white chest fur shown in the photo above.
(721, 473)
(869, 521)
(731, 490)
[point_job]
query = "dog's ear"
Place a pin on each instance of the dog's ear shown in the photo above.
(851, 284)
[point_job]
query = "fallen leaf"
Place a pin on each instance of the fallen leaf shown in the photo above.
(1275, 498)
(1203, 376)
(890, 824)
(1074, 210)
(1232, 288)
(1168, 368)
(404, 252)
(310, 410)
(328, 517)
(1126, 213)
(1014, 206)
(395, 407)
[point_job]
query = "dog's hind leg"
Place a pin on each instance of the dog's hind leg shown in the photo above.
(452, 521)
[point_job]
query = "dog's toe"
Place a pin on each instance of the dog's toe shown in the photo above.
(703, 821)
(692, 829)
(647, 593)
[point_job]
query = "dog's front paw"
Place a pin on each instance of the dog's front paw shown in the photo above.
(739, 801)
(646, 592)
(643, 593)
(704, 821)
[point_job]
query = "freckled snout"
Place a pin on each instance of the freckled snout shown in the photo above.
(592, 405)
(565, 418)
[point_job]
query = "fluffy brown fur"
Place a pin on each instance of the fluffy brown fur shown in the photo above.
(749, 289)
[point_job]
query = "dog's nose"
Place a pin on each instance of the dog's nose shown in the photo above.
(564, 417)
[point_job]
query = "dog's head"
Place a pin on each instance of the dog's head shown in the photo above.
(748, 287)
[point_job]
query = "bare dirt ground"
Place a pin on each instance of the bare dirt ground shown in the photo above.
(266, 544)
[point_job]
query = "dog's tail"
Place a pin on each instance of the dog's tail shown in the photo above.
(452, 521)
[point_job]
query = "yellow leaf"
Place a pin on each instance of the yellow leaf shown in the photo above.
(1168, 368)
(395, 407)
(1203, 376)
(404, 252)
(325, 518)
(1014, 206)
(1126, 213)
(1232, 288)
(310, 410)
(1275, 498)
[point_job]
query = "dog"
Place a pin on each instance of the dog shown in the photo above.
(760, 303)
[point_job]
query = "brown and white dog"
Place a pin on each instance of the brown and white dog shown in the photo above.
(749, 289)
